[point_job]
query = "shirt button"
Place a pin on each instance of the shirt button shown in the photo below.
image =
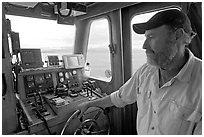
(155, 112)
(152, 128)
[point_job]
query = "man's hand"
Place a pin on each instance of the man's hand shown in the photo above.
(101, 102)
(82, 107)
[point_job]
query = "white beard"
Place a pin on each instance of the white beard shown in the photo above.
(163, 59)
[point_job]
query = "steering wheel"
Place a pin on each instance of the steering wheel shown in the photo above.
(90, 126)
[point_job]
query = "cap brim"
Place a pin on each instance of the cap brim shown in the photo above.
(140, 28)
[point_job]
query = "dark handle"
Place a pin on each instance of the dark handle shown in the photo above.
(4, 85)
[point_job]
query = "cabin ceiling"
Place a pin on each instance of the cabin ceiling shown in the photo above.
(49, 10)
(33, 4)
(59, 11)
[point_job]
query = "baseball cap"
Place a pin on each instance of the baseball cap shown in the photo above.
(173, 17)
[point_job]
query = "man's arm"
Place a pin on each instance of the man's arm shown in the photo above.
(101, 102)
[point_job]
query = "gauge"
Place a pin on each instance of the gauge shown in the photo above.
(61, 79)
(30, 84)
(66, 75)
(60, 74)
(39, 79)
(48, 75)
(74, 72)
(29, 78)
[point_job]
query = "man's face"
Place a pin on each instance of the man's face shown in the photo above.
(160, 47)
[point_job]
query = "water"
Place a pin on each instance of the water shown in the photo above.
(100, 59)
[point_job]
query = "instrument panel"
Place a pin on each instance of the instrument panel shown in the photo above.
(42, 82)
(46, 81)
(69, 78)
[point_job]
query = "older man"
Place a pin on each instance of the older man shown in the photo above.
(168, 87)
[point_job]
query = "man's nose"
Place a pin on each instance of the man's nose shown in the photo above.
(145, 45)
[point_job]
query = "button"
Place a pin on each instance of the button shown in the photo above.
(149, 93)
(155, 112)
(152, 128)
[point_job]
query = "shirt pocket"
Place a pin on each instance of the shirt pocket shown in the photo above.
(184, 112)
(194, 116)
(183, 116)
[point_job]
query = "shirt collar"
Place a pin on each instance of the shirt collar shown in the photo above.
(185, 73)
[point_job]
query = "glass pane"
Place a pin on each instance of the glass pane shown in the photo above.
(138, 53)
(98, 54)
(47, 35)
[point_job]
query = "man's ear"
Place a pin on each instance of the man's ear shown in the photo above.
(179, 33)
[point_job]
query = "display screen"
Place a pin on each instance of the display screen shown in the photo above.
(72, 61)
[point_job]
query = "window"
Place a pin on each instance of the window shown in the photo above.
(98, 55)
(47, 35)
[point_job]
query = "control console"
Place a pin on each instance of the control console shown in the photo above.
(49, 95)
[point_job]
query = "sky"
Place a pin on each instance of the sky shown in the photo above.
(41, 33)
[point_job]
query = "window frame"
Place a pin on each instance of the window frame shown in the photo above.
(110, 57)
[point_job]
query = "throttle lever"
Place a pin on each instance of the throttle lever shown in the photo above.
(43, 119)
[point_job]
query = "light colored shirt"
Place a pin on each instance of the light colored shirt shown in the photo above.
(174, 108)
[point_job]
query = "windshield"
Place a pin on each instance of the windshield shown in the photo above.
(47, 35)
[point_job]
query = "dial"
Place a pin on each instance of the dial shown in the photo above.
(30, 84)
(74, 72)
(61, 79)
(60, 74)
(29, 78)
(39, 79)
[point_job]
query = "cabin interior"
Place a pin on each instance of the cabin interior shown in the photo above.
(40, 97)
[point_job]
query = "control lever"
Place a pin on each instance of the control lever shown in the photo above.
(43, 119)
(89, 86)
(91, 83)
(40, 98)
(42, 108)
(35, 99)
(39, 105)
(84, 87)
